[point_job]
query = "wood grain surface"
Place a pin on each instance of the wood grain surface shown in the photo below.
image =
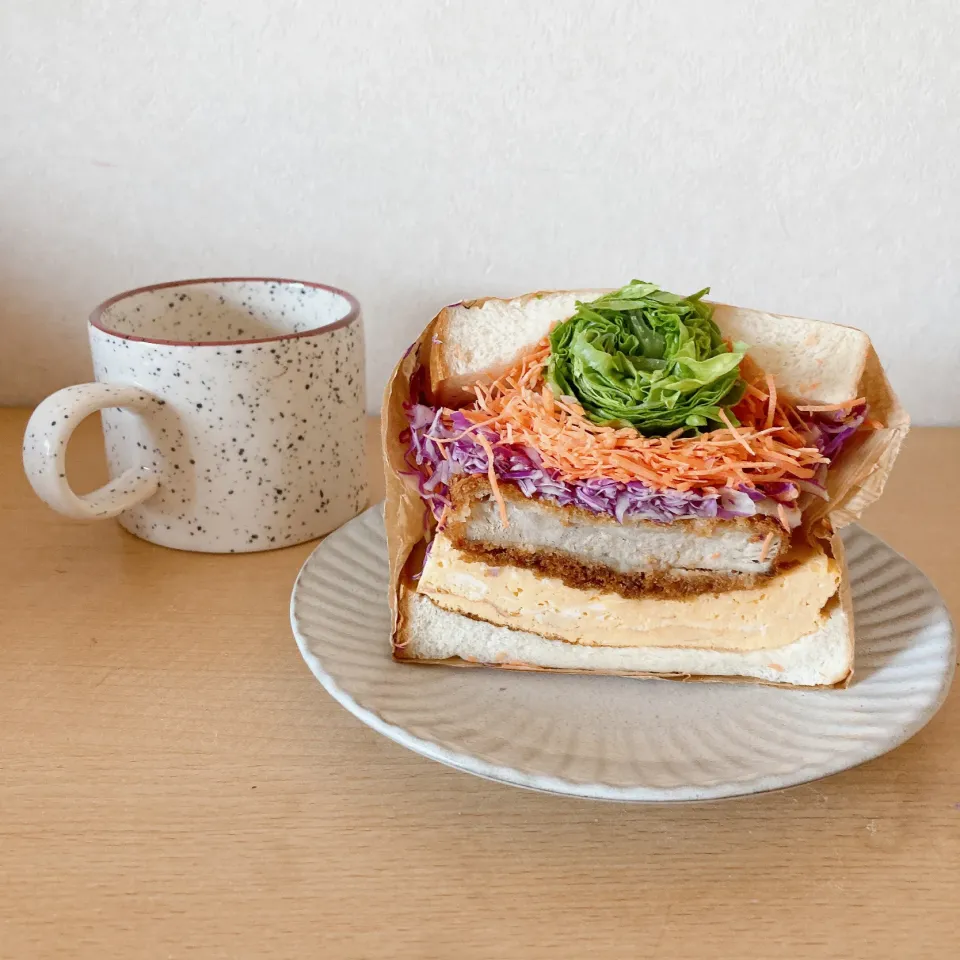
(174, 783)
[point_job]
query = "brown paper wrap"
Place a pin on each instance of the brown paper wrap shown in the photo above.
(855, 480)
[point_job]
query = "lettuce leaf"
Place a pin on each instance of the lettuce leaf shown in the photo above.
(648, 359)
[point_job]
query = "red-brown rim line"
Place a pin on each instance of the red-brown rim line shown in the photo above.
(95, 317)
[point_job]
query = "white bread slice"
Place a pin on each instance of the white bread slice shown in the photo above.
(428, 633)
(488, 336)
(809, 359)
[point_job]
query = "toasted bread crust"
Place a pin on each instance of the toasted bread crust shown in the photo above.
(439, 370)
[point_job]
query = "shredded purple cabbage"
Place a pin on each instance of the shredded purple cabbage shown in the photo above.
(833, 429)
(521, 465)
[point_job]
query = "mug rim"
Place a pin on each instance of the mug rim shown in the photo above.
(96, 316)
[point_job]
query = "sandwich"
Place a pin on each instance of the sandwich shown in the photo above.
(632, 482)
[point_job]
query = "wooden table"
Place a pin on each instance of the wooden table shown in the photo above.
(174, 783)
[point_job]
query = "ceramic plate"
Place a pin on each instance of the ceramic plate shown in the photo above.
(614, 738)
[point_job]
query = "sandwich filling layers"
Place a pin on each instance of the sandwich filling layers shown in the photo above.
(789, 605)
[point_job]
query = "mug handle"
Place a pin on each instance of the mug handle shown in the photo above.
(45, 451)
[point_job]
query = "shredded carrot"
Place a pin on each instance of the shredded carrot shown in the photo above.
(782, 514)
(772, 402)
(830, 407)
(764, 438)
(766, 546)
(743, 443)
(492, 476)
(547, 395)
(769, 444)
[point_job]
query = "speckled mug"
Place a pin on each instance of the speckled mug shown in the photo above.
(232, 410)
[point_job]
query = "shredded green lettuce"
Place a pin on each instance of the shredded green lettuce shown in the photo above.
(648, 359)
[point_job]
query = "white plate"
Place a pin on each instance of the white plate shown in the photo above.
(615, 738)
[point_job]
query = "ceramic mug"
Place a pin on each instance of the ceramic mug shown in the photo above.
(232, 410)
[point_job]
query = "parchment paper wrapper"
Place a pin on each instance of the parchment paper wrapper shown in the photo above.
(855, 479)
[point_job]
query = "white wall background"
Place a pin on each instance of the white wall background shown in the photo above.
(800, 157)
